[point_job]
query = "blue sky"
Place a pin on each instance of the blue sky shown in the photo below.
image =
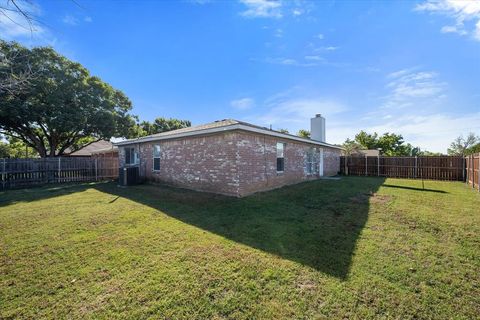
(410, 67)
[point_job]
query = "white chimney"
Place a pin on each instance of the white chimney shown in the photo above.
(317, 128)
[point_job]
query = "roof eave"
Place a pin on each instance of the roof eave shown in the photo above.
(238, 126)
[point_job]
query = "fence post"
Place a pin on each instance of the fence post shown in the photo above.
(4, 174)
(346, 165)
(96, 169)
(46, 167)
(473, 170)
(366, 165)
(478, 171)
(416, 167)
(467, 169)
(378, 165)
(59, 168)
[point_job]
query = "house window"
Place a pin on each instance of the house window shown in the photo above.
(156, 157)
(131, 156)
(280, 157)
(310, 165)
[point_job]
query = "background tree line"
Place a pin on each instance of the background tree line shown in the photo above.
(51, 106)
(391, 144)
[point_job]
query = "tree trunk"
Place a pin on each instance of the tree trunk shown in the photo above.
(52, 149)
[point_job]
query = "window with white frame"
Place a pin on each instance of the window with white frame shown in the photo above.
(156, 157)
(310, 163)
(131, 156)
(280, 156)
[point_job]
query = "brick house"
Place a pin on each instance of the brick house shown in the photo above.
(231, 157)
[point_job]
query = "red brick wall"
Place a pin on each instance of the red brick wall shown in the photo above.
(235, 163)
(205, 163)
(257, 163)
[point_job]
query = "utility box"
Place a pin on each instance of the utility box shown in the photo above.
(128, 176)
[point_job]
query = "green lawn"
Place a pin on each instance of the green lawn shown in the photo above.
(353, 248)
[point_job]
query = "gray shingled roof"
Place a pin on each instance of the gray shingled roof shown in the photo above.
(211, 125)
(226, 123)
(87, 150)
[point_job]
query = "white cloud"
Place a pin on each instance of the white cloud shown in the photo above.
(323, 49)
(14, 25)
(305, 62)
(74, 21)
(278, 33)
(70, 20)
(429, 128)
(415, 107)
(409, 86)
(294, 62)
(453, 29)
(276, 8)
(401, 72)
(459, 10)
(320, 36)
(243, 104)
(432, 132)
(200, 2)
(297, 12)
(285, 61)
(476, 34)
(293, 109)
(315, 57)
(331, 48)
(262, 9)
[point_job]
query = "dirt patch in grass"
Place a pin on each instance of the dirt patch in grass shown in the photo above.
(371, 197)
(307, 285)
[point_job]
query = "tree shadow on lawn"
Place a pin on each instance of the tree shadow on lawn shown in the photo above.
(315, 223)
(413, 188)
(36, 193)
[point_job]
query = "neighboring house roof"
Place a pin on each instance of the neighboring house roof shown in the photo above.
(368, 153)
(91, 148)
(106, 150)
(221, 126)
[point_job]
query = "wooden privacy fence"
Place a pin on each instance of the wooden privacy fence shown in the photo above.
(473, 170)
(17, 173)
(431, 168)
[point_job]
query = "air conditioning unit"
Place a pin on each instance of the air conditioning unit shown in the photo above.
(128, 176)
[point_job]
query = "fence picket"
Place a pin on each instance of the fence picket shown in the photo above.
(17, 173)
(473, 171)
(434, 168)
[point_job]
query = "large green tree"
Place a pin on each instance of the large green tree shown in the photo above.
(159, 125)
(390, 144)
(367, 140)
(303, 133)
(62, 105)
(15, 148)
(473, 149)
(464, 145)
(351, 147)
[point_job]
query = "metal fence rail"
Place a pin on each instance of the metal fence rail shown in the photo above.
(451, 168)
(18, 173)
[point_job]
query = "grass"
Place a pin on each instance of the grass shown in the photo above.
(353, 248)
